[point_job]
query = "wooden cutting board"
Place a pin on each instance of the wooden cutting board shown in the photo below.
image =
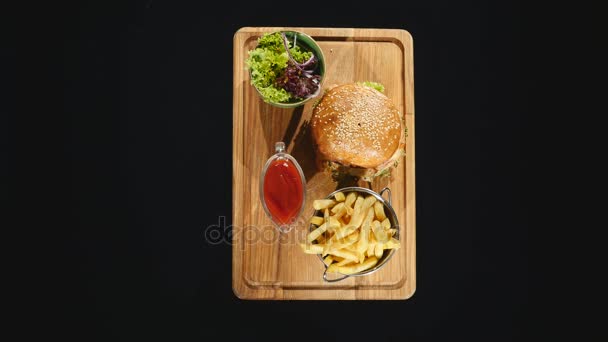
(267, 264)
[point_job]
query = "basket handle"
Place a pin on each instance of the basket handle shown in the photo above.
(332, 280)
(389, 194)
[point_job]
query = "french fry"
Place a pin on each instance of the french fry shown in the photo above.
(352, 234)
(316, 220)
(344, 253)
(312, 249)
(344, 262)
(371, 250)
(343, 221)
(343, 243)
(341, 212)
(352, 248)
(368, 202)
(326, 217)
(355, 221)
(367, 264)
(371, 245)
(379, 232)
(379, 250)
(386, 224)
(350, 199)
(332, 243)
(312, 236)
(333, 268)
(343, 231)
(379, 209)
(361, 256)
(339, 196)
(337, 207)
(392, 244)
(358, 205)
(327, 248)
(323, 204)
(334, 224)
(364, 234)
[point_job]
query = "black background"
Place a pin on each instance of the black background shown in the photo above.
(146, 139)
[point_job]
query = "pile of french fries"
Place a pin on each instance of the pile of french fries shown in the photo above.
(353, 233)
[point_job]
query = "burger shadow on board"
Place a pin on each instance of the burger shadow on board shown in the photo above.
(292, 127)
(283, 124)
(303, 150)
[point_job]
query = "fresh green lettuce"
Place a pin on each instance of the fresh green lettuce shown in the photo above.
(379, 87)
(268, 61)
(274, 94)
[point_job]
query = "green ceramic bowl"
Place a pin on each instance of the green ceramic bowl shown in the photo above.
(306, 43)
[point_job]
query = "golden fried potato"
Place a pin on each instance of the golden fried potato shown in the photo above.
(368, 202)
(316, 220)
(344, 253)
(352, 234)
(312, 249)
(386, 224)
(342, 243)
(333, 268)
(343, 220)
(367, 264)
(379, 209)
(379, 232)
(371, 245)
(364, 234)
(337, 207)
(350, 199)
(379, 250)
(340, 213)
(344, 231)
(392, 244)
(326, 217)
(339, 196)
(333, 224)
(323, 204)
(339, 210)
(345, 262)
(358, 213)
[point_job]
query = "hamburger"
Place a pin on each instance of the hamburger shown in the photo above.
(357, 131)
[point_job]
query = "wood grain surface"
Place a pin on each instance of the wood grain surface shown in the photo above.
(267, 264)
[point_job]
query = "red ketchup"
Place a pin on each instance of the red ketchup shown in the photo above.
(283, 191)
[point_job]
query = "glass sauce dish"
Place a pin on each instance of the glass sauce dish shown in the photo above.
(282, 189)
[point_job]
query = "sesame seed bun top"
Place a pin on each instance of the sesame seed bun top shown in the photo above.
(356, 126)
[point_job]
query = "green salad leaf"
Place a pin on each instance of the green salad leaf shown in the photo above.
(268, 61)
(274, 94)
(379, 87)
